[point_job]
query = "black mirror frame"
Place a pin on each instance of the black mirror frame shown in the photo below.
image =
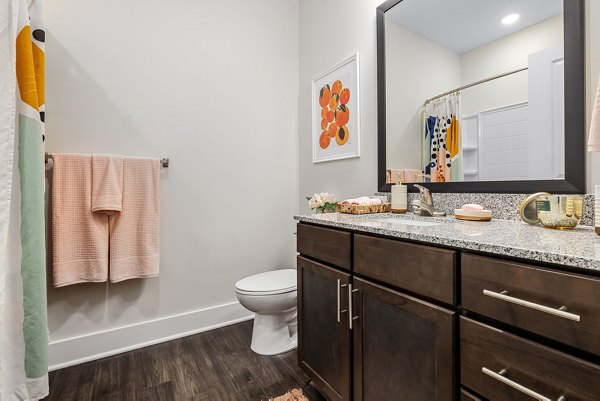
(574, 182)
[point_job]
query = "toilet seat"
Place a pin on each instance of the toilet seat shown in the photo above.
(269, 283)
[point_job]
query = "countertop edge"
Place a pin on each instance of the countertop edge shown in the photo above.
(580, 263)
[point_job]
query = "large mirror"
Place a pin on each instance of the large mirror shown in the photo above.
(481, 95)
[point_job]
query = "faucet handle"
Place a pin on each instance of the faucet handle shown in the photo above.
(425, 194)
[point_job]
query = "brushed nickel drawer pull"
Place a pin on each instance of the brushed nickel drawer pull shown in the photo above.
(350, 313)
(501, 378)
(350, 306)
(339, 300)
(560, 312)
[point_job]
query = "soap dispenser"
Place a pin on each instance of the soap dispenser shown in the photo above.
(399, 197)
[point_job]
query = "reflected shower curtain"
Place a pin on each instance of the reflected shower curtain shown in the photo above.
(23, 324)
(442, 154)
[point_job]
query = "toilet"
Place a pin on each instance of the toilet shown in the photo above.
(272, 297)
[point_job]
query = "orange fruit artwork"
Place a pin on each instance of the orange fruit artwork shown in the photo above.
(342, 115)
(324, 124)
(336, 87)
(335, 114)
(342, 136)
(330, 116)
(334, 101)
(324, 140)
(333, 129)
(345, 96)
(324, 96)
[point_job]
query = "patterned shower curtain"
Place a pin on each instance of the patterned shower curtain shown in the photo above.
(23, 323)
(442, 154)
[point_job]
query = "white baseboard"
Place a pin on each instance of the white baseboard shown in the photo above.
(89, 347)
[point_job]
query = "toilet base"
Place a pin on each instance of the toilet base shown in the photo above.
(274, 334)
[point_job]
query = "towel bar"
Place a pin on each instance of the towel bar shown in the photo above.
(164, 162)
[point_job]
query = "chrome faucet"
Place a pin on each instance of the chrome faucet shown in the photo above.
(424, 206)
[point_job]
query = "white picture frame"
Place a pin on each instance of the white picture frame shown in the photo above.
(344, 143)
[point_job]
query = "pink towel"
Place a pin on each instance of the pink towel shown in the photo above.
(79, 237)
(593, 143)
(134, 242)
(107, 183)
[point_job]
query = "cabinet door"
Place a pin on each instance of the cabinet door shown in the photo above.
(404, 347)
(323, 328)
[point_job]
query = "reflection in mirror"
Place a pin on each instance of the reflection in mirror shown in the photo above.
(474, 90)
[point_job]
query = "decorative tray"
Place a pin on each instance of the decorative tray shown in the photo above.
(363, 209)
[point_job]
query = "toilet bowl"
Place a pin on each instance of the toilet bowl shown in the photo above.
(272, 297)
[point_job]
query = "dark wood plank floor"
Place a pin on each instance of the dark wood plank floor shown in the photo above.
(214, 366)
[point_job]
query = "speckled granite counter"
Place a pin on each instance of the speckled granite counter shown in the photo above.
(579, 248)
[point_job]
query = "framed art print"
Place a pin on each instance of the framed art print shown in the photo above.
(335, 112)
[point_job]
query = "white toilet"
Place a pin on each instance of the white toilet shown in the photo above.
(272, 297)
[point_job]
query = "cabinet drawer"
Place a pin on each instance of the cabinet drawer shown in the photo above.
(325, 244)
(466, 395)
(424, 270)
(530, 298)
(529, 370)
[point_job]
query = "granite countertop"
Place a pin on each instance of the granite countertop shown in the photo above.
(578, 248)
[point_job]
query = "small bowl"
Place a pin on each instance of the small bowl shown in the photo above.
(561, 212)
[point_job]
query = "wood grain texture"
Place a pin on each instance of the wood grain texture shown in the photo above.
(546, 371)
(580, 294)
(324, 343)
(214, 366)
(466, 395)
(404, 347)
(423, 270)
(325, 244)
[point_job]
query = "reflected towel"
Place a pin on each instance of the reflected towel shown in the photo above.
(593, 143)
(79, 237)
(107, 183)
(134, 233)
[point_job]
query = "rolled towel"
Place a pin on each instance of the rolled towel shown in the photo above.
(362, 201)
(356, 201)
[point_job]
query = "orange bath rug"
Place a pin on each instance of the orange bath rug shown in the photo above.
(292, 395)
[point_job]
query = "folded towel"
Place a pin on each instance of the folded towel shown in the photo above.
(107, 183)
(134, 241)
(79, 237)
(593, 143)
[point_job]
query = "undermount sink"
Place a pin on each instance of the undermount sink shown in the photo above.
(407, 222)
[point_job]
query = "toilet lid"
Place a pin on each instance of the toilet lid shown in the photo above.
(278, 281)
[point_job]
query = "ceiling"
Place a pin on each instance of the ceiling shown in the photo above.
(464, 25)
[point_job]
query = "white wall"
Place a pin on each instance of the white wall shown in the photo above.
(214, 86)
(331, 31)
(411, 80)
(506, 54)
(360, 175)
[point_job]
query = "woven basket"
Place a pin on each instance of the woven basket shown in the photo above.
(363, 209)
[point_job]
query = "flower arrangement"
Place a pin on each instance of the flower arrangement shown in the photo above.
(322, 203)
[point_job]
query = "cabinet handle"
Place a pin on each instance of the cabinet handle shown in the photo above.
(339, 299)
(560, 312)
(351, 318)
(500, 376)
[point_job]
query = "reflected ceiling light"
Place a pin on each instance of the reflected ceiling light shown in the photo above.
(510, 19)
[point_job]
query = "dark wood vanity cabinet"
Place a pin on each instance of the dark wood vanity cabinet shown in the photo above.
(379, 320)
(363, 341)
(323, 335)
(403, 346)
